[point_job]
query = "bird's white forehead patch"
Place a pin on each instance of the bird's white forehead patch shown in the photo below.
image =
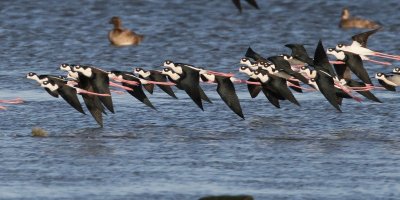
(263, 78)
(86, 72)
(52, 87)
(65, 67)
(144, 73)
(209, 77)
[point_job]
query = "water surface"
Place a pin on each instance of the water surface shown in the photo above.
(179, 152)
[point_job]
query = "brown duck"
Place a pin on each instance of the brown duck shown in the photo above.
(122, 37)
(354, 22)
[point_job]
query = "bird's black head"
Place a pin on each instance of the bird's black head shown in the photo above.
(31, 74)
(331, 49)
(168, 62)
(244, 59)
(64, 65)
(261, 62)
(244, 67)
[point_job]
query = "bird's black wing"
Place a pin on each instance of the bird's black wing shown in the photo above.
(226, 90)
(279, 86)
(354, 62)
(52, 93)
(157, 76)
(342, 71)
(387, 86)
(190, 83)
(327, 88)
(321, 61)
(203, 95)
(69, 94)
(253, 3)
(255, 56)
(283, 65)
(272, 98)
(367, 94)
(100, 83)
(92, 102)
(254, 90)
(296, 86)
(137, 90)
(95, 107)
(149, 88)
(237, 4)
(362, 38)
(300, 53)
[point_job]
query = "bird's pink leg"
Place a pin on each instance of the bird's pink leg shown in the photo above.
(82, 91)
(125, 81)
(117, 92)
(221, 73)
(303, 88)
(378, 62)
(120, 86)
(3, 108)
(246, 82)
(337, 62)
(384, 55)
(348, 91)
(160, 83)
(13, 101)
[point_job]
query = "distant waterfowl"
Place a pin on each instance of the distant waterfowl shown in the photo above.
(346, 21)
(120, 36)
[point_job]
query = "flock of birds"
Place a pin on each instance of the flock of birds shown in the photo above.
(277, 77)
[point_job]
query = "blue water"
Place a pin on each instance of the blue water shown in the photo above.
(179, 152)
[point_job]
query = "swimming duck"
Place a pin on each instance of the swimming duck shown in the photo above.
(354, 22)
(122, 37)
